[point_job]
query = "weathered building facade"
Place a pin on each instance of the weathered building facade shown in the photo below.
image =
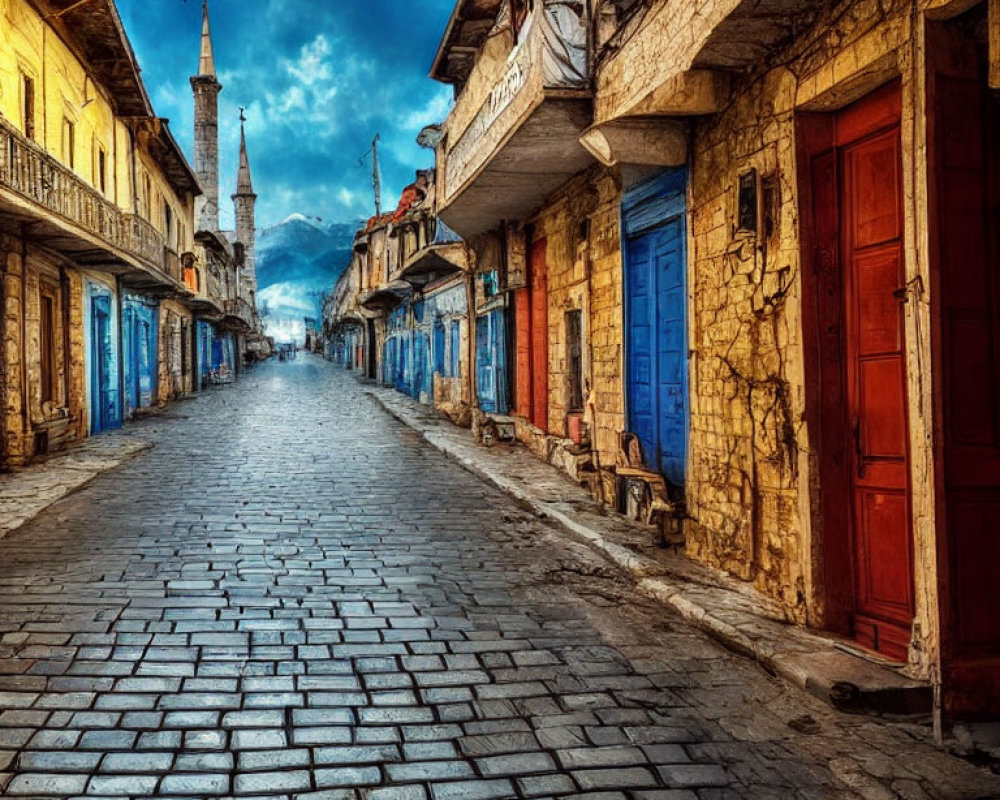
(717, 253)
(102, 280)
(400, 312)
(97, 203)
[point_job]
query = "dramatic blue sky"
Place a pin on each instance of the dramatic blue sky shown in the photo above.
(318, 77)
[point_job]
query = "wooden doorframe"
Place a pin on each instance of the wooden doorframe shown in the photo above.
(819, 137)
(970, 687)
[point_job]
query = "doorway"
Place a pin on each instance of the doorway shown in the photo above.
(965, 235)
(105, 414)
(858, 306)
(653, 218)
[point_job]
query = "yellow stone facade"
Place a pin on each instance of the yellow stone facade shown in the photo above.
(118, 199)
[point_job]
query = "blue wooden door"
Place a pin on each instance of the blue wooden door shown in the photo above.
(491, 362)
(105, 414)
(657, 330)
(420, 372)
(439, 360)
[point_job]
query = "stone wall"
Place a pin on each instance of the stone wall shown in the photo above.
(62, 417)
(751, 475)
(580, 224)
(173, 379)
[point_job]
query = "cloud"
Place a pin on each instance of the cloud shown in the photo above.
(318, 79)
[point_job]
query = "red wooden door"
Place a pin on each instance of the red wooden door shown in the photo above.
(871, 229)
(539, 336)
(522, 343)
(967, 278)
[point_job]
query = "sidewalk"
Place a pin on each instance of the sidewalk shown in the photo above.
(25, 493)
(727, 609)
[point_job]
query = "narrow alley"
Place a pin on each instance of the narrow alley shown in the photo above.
(251, 609)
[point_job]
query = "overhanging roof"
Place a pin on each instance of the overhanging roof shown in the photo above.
(163, 147)
(385, 297)
(433, 262)
(93, 30)
(468, 27)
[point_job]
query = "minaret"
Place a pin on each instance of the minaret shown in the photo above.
(206, 130)
(244, 201)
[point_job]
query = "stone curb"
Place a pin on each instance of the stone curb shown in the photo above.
(857, 686)
(36, 488)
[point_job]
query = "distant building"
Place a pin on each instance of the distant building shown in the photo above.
(401, 311)
(229, 328)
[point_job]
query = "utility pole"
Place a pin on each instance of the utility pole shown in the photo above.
(376, 176)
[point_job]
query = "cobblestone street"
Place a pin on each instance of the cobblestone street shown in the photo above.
(250, 610)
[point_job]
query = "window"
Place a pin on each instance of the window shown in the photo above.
(69, 143)
(101, 169)
(574, 360)
(147, 186)
(456, 349)
(168, 224)
(28, 106)
(47, 346)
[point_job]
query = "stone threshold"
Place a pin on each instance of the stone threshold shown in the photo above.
(26, 492)
(729, 610)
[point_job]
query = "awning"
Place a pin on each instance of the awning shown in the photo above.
(386, 297)
(433, 263)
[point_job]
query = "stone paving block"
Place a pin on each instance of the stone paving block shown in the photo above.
(370, 754)
(349, 777)
(693, 775)
(412, 792)
(545, 785)
(124, 740)
(40, 784)
(137, 762)
(474, 790)
(582, 757)
(205, 762)
(201, 785)
(265, 760)
(272, 782)
(122, 785)
(57, 761)
(429, 771)
(515, 764)
(617, 778)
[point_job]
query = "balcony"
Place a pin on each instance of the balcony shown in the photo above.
(386, 297)
(640, 103)
(521, 141)
(441, 257)
(71, 216)
(239, 314)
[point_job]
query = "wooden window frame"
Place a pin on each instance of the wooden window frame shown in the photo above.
(68, 142)
(29, 105)
(48, 313)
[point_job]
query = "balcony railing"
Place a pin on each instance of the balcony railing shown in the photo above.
(39, 178)
(240, 309)
(172, 265)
